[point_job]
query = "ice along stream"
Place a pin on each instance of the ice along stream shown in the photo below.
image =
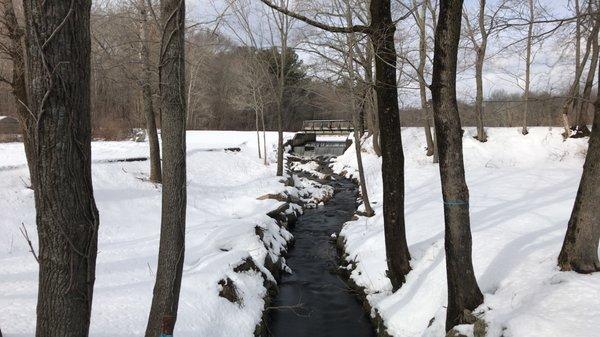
(315, 301)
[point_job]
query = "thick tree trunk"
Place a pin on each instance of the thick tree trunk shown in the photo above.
(382, 37)
(580, 247)
(463, 291)
(58, 61)
(155, 168)
(172, 234)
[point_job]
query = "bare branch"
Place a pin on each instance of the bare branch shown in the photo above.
(314, 23)
(25, 234)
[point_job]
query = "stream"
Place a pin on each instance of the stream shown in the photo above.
(314, 300)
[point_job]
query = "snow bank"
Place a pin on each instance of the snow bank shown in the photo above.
(522, 191)
(224, 220)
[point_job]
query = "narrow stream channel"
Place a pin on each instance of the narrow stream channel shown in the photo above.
(315, 301)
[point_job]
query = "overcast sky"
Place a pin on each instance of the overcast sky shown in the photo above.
(504, 70)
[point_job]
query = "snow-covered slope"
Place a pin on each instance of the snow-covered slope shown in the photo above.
(522, 191)
(222, 214)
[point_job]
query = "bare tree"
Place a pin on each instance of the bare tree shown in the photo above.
(283, 23)
(146, 83)
(463, 291)
(58, 82)
(421, 20)
(255, 92)
(381, 31)
(580, 247)
(578, 24)
(165, 300)
(351, 41)
(13, 51)
(528, 62)
(479, 36)
(574, 88)
(581, 128)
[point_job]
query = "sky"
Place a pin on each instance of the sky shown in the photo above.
(503, 70)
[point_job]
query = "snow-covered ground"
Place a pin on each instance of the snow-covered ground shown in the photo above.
(222, 214)
(522, 191)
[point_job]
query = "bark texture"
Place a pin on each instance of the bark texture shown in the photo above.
(58, 48)
(463, 291)
(382, 37)
(146, 82)
(172, 234)
(580, 247)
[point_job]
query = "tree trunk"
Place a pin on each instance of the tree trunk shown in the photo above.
(280, 134)
(463, 291)
(481, 135)
(577, 98)
(574, 89)
(375, 124)
(580, 247)
(382, 37)
(581, 128)
(422, 85)
(257, 134)
(524, 129)
(372, 100)
(58, 62)
(351, 41)
(163, 312)
(155, 169)
(264, 132)
(282, 76)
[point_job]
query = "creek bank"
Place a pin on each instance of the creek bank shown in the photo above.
(317, 300)
(300, 193)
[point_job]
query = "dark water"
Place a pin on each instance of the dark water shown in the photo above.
(314, 301)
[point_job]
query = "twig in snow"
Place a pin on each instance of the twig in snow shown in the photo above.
(293, 308)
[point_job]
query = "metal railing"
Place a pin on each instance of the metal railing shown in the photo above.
(327, 126)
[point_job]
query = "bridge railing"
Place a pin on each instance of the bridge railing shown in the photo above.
(327, 126)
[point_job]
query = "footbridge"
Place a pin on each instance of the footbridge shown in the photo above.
(322, 138)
